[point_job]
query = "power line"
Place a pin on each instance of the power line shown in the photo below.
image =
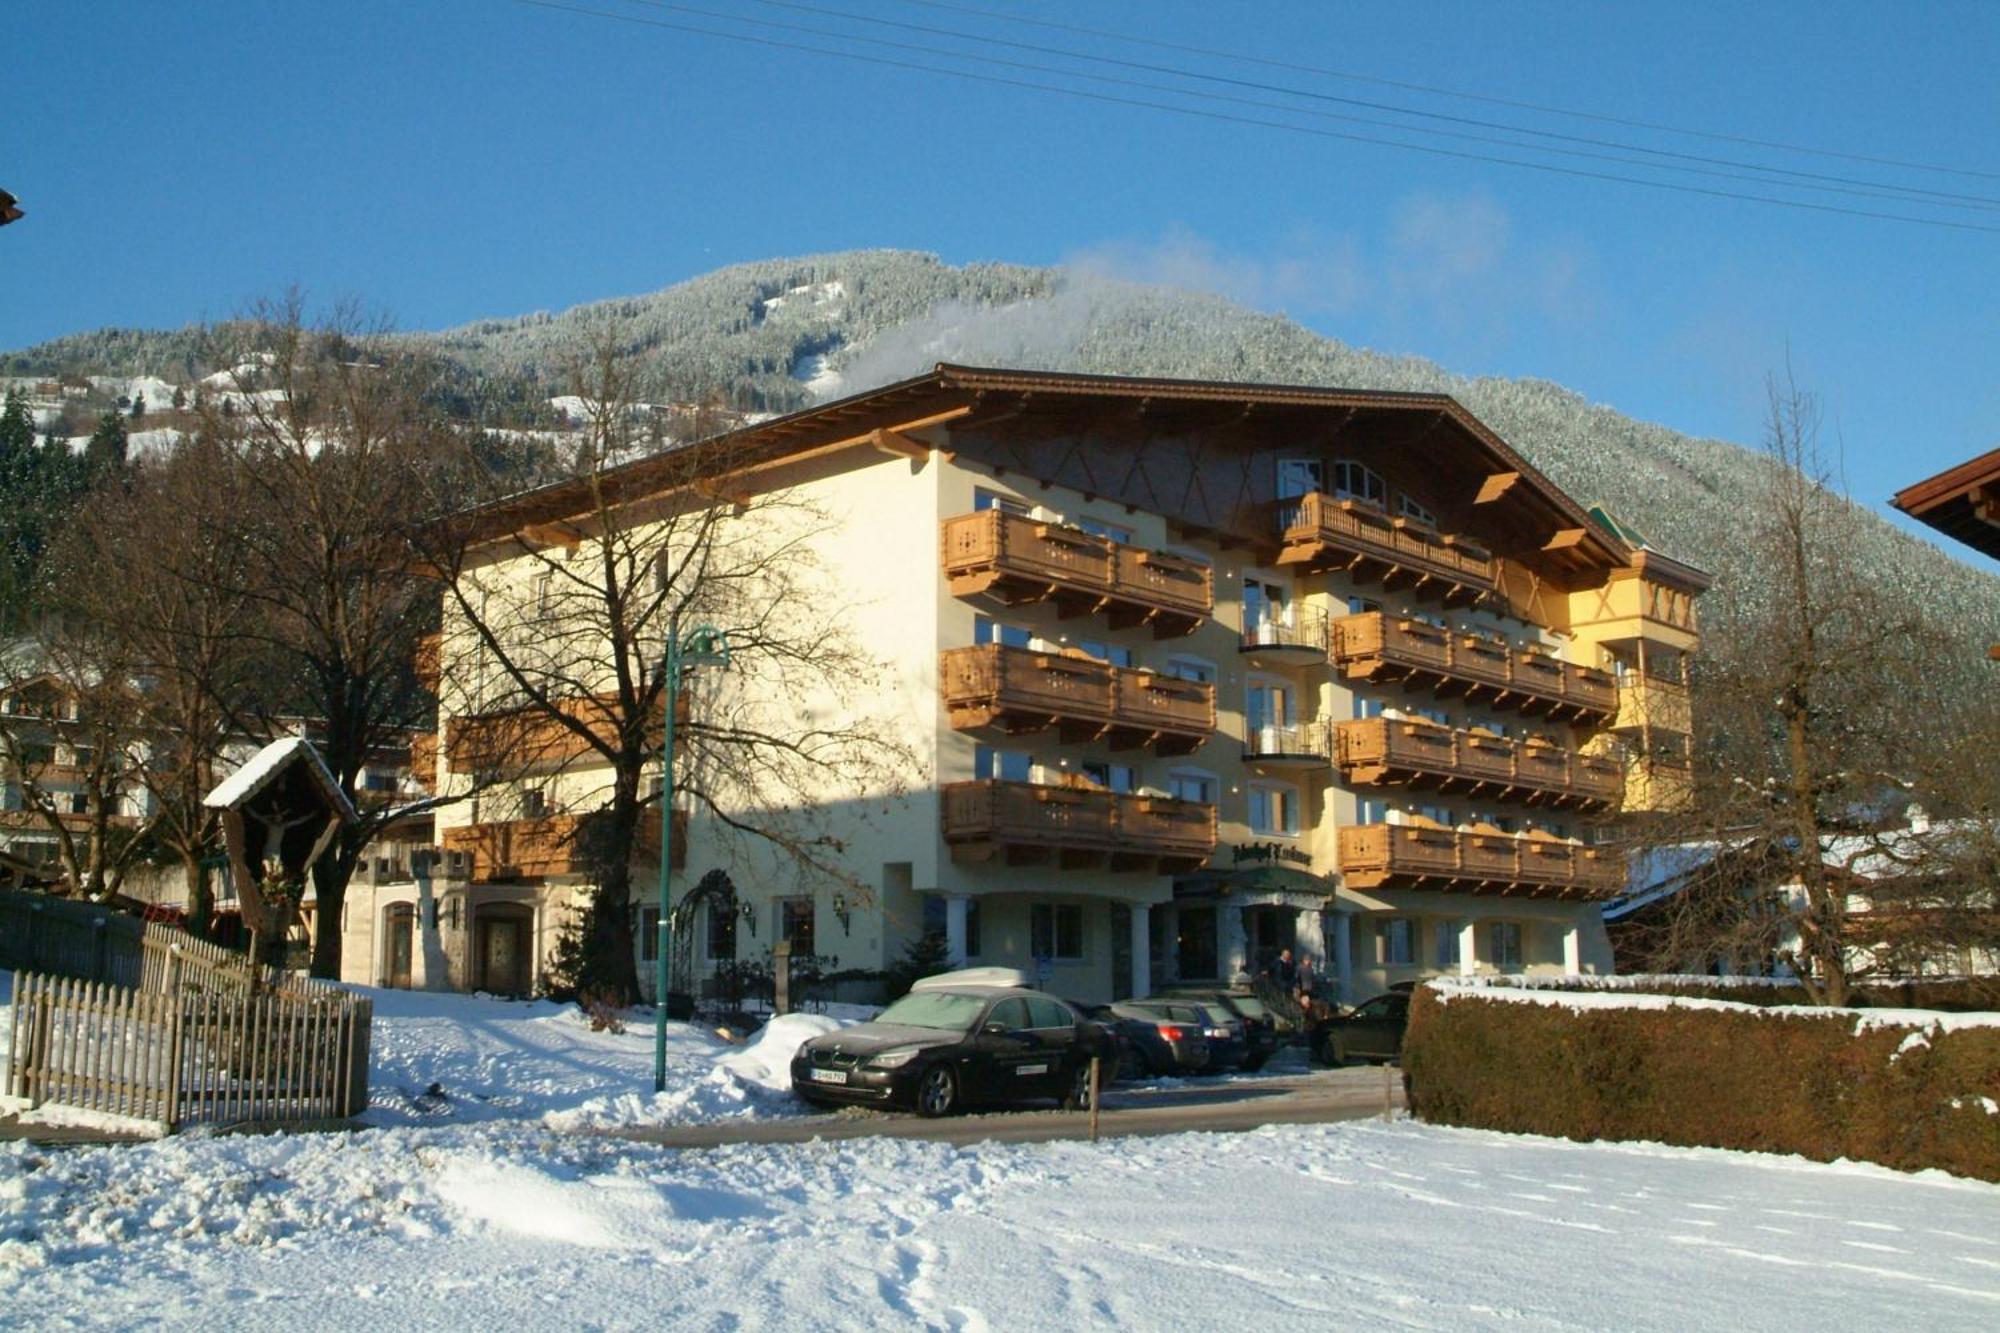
(1805, 180)
(1253, 121)
(1434, 90)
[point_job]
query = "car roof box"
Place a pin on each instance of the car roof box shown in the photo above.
(973, 976)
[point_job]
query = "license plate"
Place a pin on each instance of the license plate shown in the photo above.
(1032, 1069)
(829, 1075)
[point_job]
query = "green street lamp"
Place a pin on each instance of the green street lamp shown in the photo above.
(704, 645)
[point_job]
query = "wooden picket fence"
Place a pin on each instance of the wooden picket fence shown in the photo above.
(181, 1056)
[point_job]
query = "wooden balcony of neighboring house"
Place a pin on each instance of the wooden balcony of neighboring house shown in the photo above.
(1478, 860)
(1075, 826)
(1420, 754)
(1300, 642)
(1015, 559)
(1647, 702)
(74, 822)
(1320, 534)
(423, 760)
(552, 845)
(429, 661)
(1382, 648)
(1019, 690)
(530, 739)
(1286, 747)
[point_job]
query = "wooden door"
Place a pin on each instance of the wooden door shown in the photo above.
(402, 921)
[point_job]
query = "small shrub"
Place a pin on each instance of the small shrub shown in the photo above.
(604, 1016)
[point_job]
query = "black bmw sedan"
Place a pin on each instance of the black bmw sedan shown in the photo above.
(956, 1040)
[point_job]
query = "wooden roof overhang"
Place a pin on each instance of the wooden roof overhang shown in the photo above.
(1963, 503)
(1531, 515)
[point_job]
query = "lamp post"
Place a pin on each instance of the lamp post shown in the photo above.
(704, 645)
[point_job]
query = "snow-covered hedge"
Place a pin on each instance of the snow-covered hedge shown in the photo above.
(1908, 1088)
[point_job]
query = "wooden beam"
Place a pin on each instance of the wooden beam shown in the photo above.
(898, 445)
(902, 428)
(553, 534)
(1565, 538)
(1986, 503)
(1496, 486)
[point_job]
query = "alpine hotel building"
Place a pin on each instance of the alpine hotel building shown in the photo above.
(1193, 671)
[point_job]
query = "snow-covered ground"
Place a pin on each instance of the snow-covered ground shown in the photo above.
(1356, 1225)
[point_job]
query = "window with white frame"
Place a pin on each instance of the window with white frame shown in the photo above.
(1055, 930)
(1357, 481)
(1192, 784)
(1274, 809)
(1397, 946)
(1504, 937)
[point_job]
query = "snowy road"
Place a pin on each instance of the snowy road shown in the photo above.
(1356, 1225)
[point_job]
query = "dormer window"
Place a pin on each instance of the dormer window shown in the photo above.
(1356, 481)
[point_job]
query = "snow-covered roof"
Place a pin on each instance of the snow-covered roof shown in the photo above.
(264, 766)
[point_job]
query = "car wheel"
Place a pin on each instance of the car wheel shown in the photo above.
(1079, 1089)
(937, 1092)
(1332, 1051)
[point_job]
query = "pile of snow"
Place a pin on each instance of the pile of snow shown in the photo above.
(1357, 1225)
(442, 1058)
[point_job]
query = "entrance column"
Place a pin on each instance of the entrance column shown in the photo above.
(1230, 948)
(1142, 950)
(1343, 954)
(1573, 949)
(954, 928)
(1468, 956)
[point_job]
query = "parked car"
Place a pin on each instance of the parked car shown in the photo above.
(1153, 1042)
(1260, 1026)
(977, 1036)
(1371, 1031)
(1222, 1031)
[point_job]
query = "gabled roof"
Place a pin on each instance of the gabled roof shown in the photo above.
(949, 390)
(264, 768)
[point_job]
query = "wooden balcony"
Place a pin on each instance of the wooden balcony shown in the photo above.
(1653, 703)
(1409, 752)
(1025, 823)
(552, 845)
(423, 760)
(1387, 649)
(1018, 690)
(527, 740)
(429, 661)
(1320, 534)
(1476, 861)
(1015, 560)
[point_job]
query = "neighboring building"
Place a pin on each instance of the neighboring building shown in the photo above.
(50, 747)
(1963, 503)
(1194, 671)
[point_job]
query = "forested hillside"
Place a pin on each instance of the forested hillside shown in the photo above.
(772, 336)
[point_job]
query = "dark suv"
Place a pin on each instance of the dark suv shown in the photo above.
(1371, 1031)
(1261, 1038)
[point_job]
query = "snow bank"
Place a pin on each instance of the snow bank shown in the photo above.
(1360, 1225)
(1608, 993)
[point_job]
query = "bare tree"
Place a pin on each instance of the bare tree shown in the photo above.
(558, 610)
(1834, 712)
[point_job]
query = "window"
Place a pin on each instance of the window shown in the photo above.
(1300, 476)
(1437, 715)
(1354, 481)
(1361, 606)
(1264, 604)
(1117, 654)
(649, 934)
(79, 803)
(1191, 784)
(1055, 931)
(1371, 812)
(1367, 707)
(1010, 1014)
(1005, 765)
(1409, 508)
(1397, 950)
(1505, 937)
(1266, 705)
(1447, 944)
(545, 593)
(795, 923)
(534, 803)
(1274, 810)
(1006, 504)
(1190, 668)
(721, 942)
(10, 796)
(1044, 1013)
(1108, 531)
(985, 629)
(1112, 777)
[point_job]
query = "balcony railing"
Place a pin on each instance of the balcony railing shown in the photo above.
(1016, 559)
(521, 740)
(1408, 752)
(1650, 702)
(1318, 533)
(554, 845)
(1022, 689)
(1294, 745)
(1278, 643)
(1383, 648)
(1022, 823)
(1477, 861)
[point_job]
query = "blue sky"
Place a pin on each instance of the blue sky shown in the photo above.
(454, 159)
